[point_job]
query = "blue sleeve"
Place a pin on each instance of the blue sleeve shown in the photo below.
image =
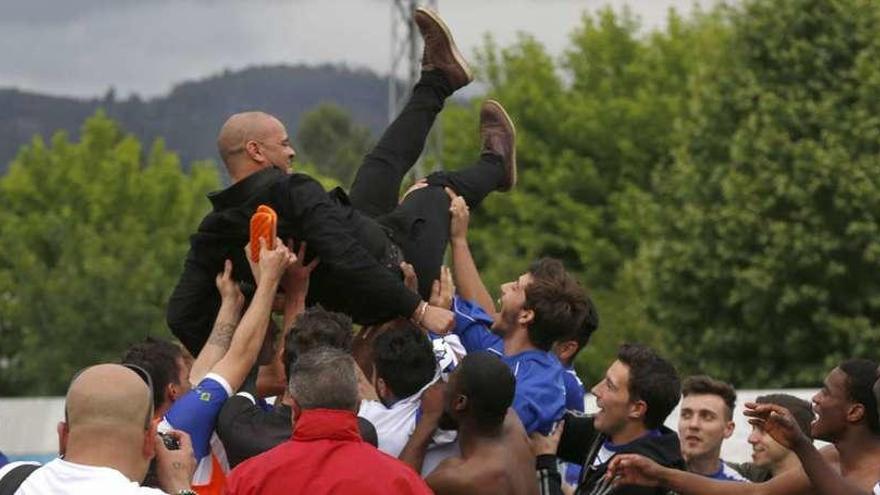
(574, 391)
(472, 325)
(539, 399)
(196, 412)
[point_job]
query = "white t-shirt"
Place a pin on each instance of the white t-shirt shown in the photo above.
(62, 477)
(877, 488)
(395, 424)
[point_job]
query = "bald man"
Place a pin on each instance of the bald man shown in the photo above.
(108, 438)
(361, 237)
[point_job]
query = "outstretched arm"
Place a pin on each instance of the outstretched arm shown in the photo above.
(467, 278)
(633, 469)
(231, 303)
(251, 331)
(780, 424)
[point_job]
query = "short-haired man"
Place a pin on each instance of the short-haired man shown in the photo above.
(326, 453)
(846, 416)
(246, 427)
(495, 454)
(363, 236)
(634, 398)
(404, 367)
(769, 457)
(195, 410)
(108, 438)
(705, 420)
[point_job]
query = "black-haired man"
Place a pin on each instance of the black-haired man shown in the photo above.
(495, 453)
(769, 457)
(636, 395)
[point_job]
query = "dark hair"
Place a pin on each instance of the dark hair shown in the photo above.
(324, 378)
(860, 377)
(651, 379)
(404, 358)
(489, 386)
(317, 327)
(706, 385)
(561, 306)
(159, 358)
(799, 408)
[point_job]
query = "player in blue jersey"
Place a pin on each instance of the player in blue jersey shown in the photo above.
(537, 309)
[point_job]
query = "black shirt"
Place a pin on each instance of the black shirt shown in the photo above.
(350, 278)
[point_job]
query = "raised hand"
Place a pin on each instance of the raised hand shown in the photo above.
(438, 320)
(296, 277)
(633, 469)
(228, 288)
(459, 216)
(443, 289)
(778, 422)
(274, 261)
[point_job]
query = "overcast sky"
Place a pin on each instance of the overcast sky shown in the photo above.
(82, 47)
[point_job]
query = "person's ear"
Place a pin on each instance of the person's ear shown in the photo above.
(729, 426)
(459, 403)
(252, 148)
(63, 434)
(171, 393)
(855, 413)
(526, 317)
(566, 350)
(637, 410)
(295, 411)
(382, 389)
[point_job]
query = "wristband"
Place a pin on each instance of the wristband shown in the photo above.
(186, 492)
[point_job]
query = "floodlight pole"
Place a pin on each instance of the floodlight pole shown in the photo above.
(406, 60)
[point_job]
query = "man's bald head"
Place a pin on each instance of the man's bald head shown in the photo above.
(108, 396)
(243, 127)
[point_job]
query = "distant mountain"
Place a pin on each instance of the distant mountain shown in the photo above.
(189, 117)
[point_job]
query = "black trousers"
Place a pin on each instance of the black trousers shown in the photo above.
(419, 225)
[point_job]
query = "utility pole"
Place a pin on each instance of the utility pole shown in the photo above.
(406, 61)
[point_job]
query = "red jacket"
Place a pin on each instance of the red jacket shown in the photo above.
(325, 456)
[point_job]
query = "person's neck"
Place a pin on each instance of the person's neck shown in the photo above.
(517, 341)
(472, 437)
(706, 464)
(858, 445)
(632, 431)
(787, 463)
(105, 451)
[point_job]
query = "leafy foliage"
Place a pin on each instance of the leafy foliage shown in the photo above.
(94, 235)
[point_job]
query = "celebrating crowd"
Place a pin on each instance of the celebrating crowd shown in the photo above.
(391, 373)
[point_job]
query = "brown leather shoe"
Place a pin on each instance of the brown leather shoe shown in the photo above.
(440, 50)
(498, 136)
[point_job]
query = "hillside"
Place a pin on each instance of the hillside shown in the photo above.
(191, 114)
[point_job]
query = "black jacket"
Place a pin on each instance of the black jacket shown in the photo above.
(580, 444)
(350, 278)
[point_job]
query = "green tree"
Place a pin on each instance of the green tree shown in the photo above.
(593, 127)
(93, 240)
(329, 138)
(764, 253)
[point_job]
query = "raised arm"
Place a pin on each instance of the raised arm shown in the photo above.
(231, 303)
(251, 331)
(295, 282)
(467, 278)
